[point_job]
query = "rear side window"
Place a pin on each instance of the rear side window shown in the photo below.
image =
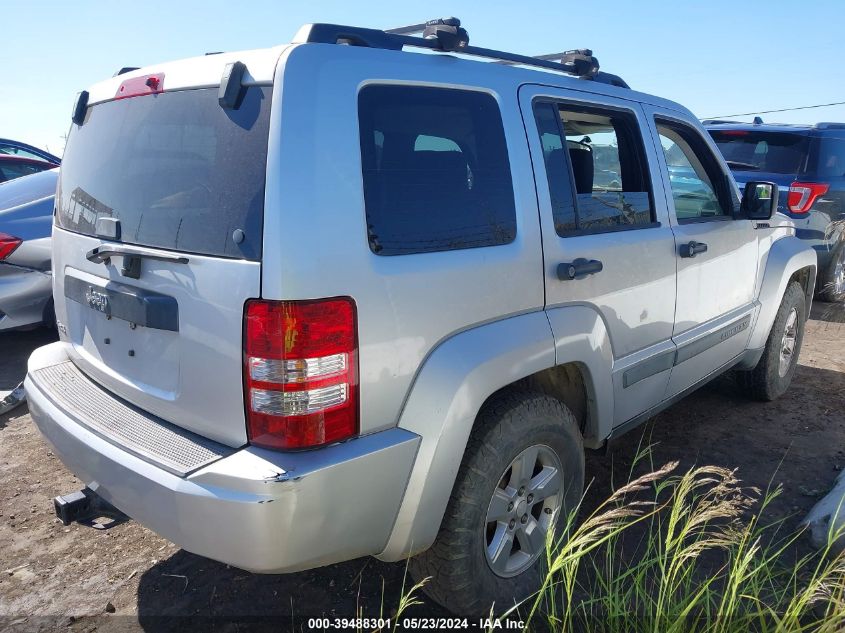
(435, 169)
(597, 155)
(773, 152)
(178, 171)
(828, 156)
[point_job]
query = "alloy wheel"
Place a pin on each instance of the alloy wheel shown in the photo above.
(787, 345)
(524, 506)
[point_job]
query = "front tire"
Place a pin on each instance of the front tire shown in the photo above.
(522, 470)
(771, 377)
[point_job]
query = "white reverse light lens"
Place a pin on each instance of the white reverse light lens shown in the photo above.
(297, 402)
(296, 371)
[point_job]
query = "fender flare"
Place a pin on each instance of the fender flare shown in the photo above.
(786, 256)
(452, 385)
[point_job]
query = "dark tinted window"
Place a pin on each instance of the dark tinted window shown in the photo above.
(773, 152)
(828, 157)
(598, 155)
(176, 169)
(436, 171)
(11, 169)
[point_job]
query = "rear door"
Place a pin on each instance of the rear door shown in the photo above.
(716, 253)
(601, 220)
(157, 246)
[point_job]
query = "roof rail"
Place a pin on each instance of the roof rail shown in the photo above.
(829, 125)
(717, 121)
(125, 69)
(447, 35)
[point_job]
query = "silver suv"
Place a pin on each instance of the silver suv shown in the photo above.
(334, 299)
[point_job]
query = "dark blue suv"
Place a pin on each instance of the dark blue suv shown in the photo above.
(808, 164)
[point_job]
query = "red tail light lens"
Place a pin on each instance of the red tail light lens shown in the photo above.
(300, 372)
(802, 195)
(8, 243)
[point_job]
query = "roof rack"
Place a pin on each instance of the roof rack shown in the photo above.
(828, 125)
(447, 35)
(718, 121)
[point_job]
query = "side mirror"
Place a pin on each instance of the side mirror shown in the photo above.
(759, 200)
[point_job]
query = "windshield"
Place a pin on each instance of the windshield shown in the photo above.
(178, 171)
(773, 152)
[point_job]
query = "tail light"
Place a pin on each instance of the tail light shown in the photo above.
(8, 244)
(300, 372)
(802, 195)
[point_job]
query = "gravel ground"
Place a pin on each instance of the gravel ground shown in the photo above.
(86, 579)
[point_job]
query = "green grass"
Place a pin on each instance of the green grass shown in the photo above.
(688, 551)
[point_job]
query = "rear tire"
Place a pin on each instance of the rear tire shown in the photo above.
(771, 377)
(833, 281)
(499, 511)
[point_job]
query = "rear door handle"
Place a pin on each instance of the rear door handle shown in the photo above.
(578, 269)
(692, 249)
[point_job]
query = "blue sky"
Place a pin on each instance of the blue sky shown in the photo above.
(717, 57)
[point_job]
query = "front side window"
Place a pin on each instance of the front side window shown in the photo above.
(435, 169)
(698, 186)
(598, 180)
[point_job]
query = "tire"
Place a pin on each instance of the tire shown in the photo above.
(832, 286)
(49, 315)
(508, 426)
(769, 379)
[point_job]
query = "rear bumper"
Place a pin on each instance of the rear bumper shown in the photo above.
(259, 510)
(24, 294)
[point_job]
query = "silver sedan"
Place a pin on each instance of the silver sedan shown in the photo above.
(26, 219)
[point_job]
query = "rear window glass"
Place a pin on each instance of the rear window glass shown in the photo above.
(435, 168)
(176, 169)
(773, 152)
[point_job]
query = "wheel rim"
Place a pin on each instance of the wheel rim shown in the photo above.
(839, 274)
(787, 345)
(525, 503)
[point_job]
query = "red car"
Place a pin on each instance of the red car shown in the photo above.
(12, 167)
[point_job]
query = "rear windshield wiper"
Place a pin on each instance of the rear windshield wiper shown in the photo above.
(132, 256)
(735, 164)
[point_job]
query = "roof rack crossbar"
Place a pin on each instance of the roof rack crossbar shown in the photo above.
(446, 35)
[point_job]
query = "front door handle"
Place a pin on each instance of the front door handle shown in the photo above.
(578, 269)
(692, 249)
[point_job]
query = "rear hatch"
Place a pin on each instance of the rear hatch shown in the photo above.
(157, 246)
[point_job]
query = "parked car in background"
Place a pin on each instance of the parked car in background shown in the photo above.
(26, 219)
(12, 167)
(808, 164)
(24, 150)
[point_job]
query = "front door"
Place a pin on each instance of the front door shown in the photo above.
(716, 254)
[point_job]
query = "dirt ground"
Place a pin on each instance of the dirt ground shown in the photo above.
(83, 578)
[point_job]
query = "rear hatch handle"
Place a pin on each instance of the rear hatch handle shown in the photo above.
(132, 256)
